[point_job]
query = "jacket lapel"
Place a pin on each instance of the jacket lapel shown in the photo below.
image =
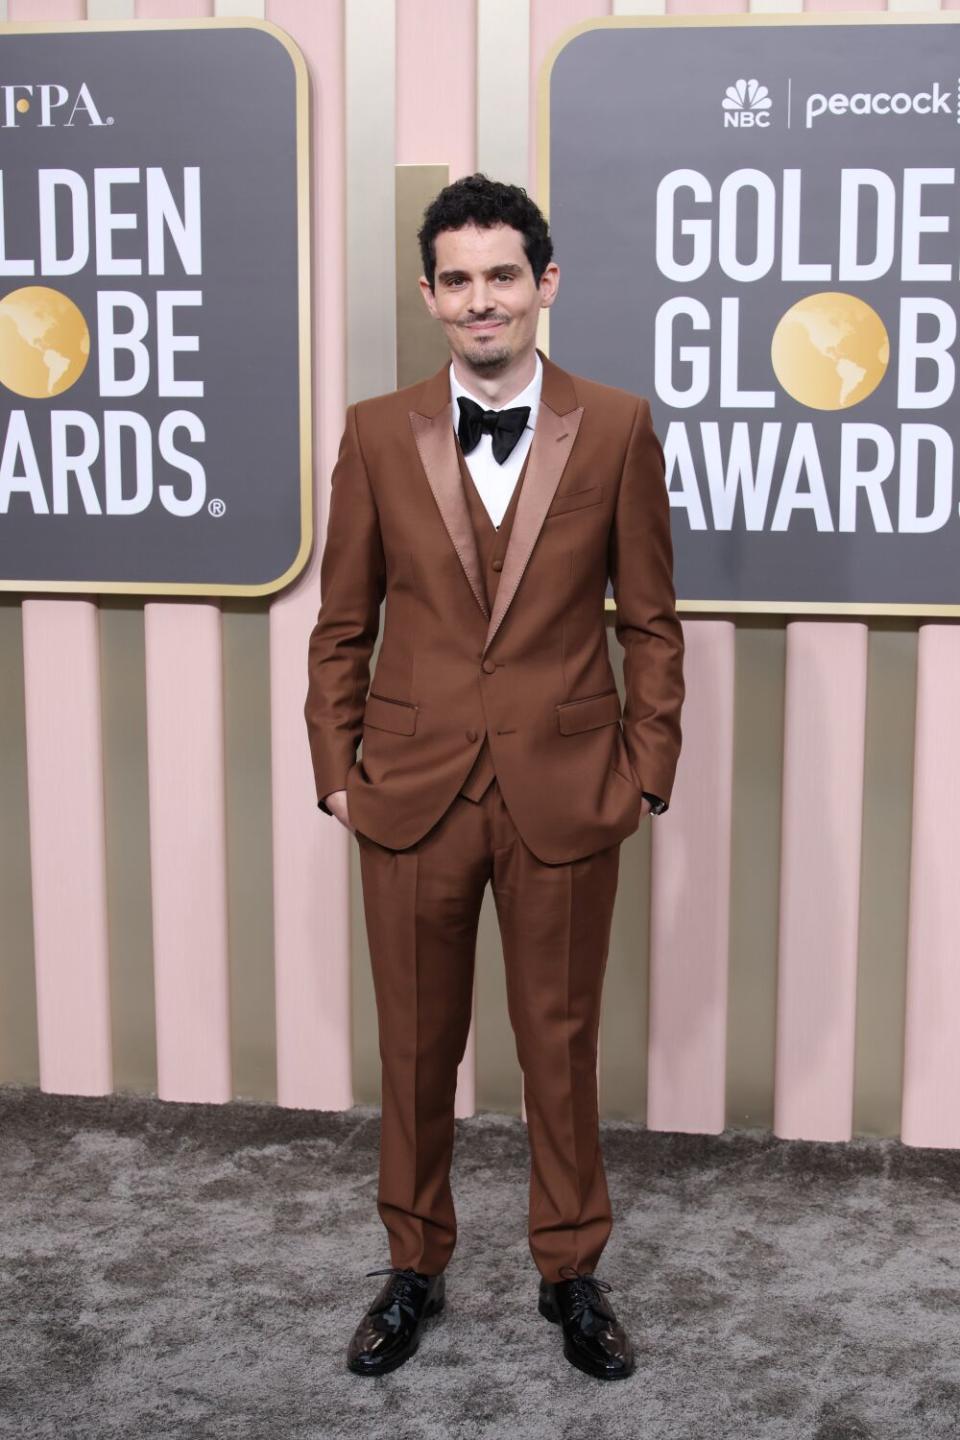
(433, 431)
(558, 421)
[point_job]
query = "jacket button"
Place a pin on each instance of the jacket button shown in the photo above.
(496, 565)
(471, 735)
(489, 666)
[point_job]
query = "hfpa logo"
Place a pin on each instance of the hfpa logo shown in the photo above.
(747, 106)
(46, 106)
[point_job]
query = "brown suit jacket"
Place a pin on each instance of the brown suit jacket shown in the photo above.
(533, 675)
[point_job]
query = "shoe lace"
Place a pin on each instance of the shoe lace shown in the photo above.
(584, 1289)
(404, 1282)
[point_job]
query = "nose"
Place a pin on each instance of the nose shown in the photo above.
(481, 302)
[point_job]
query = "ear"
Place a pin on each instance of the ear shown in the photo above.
(428, 295)
(549, 283)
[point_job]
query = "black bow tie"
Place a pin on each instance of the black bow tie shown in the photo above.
(505, 427)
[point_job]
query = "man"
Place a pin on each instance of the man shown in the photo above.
(488, 505)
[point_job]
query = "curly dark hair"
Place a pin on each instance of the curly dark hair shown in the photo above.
(478, 200)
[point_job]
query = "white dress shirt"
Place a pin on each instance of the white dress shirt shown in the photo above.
(495, 483)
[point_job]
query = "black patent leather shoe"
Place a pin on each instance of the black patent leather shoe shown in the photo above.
(593, 1338)
(389, 1332)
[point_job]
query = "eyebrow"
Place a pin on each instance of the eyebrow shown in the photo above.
(491, 270)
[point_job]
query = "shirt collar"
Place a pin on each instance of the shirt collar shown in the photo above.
(530, 396)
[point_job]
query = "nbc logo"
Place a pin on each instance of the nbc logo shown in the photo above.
(747, 106)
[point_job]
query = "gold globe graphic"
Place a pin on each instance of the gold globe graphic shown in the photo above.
(44, 342)
(830, 350)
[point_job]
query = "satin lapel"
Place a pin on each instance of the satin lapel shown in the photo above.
(438, 455)
(558, 421)
(553, 438)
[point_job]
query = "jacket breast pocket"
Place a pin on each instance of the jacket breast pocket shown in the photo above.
(575, 500)
(398, 716)
(576, 715)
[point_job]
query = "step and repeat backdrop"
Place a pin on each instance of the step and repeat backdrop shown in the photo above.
(759, 226)
(207, 249)
(154, 319)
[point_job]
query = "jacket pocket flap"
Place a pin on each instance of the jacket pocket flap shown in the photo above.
(586, 714)
(574, 499)
(396, 715)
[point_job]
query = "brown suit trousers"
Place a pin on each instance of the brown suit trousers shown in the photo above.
(422, 906)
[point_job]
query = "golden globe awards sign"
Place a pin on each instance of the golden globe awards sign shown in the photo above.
(154, 308)
(757, 226)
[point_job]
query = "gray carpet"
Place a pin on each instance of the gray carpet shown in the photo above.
(173, 1270)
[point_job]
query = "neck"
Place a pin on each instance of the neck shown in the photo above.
(498, 390)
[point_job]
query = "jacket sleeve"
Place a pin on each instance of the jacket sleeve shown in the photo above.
(647, 625)
(352, 587)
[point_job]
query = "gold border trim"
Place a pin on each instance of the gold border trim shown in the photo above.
(619, 22)
(301, 74)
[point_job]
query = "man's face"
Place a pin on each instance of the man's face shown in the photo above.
(485, 296)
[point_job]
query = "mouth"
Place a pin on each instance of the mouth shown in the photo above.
(482, 325)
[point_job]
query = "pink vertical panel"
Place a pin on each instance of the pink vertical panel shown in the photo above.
(436, 75)
(188, 849)
(311, 851)
(930, 1108)
(67, 844)
(45, 11)
(65, 792)
(548, 20)
(825, 714)
(436, 79)
(931, 1081)
(690, 899)
(187, 821)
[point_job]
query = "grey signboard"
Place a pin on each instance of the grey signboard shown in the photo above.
(757, 224)
(154, 308)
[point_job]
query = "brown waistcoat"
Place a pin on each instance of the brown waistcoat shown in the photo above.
(491, 544)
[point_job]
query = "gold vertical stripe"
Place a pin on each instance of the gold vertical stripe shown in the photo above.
(249, 822)
(19, 1058)
(498, 1076)
(885, 877)
(123, 700)
(421, 344)
(759, 689)
(370, 80)
(625, 1017)
(371, 149)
